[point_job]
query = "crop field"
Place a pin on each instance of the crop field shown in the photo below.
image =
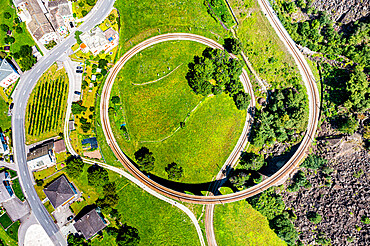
(47, 105)
(262, 46)
(152, 113)
(143, 19)
(239, 223)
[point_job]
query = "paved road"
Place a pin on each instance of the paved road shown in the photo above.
(24, 89)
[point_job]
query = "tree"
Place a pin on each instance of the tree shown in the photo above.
(284, 228)
(9, 40)
(25, 50)
(76, 240)
(27, 62)
(240, 179)
(347, 124)
(233, 46)
(97, 176)
(91, 2)
(7, 15)
(74, 166)
(102, 63)
(299, 180)
(314, 162)
(115, 100)
(77, 37)
(251, 161)
(77, 108)
(145, 159)
(268, 203)
(174, 171)
(19, 29)
(4, 27)
(365, 220)
(128, 236)
(241, 100)
(110, 198)
(358, 88)
(314, 217)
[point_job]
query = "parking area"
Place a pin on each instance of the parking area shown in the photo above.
(62, 215)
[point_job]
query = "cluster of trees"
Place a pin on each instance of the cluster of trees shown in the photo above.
(50, 45)
(77, 108)
(314, 162)
(97, 176)
(110, 198)
(314, 217)
(272, 206)
(125, 235)
(25, 58)
(284, 116)
(74, 167)
(299, 180)
(214, 72)
(144, 159)
(219, 11)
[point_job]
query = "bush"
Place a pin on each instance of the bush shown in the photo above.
(81, 4)
(77, 36)
(7, 15)
(174, 171)
(314, 162)
(84, 13)
(91, 2)
(19, 29)
(77, 108)
(241, 100)
(74, 166)
(347, 124)
(39, 182)
(299, 180)
(233, 46)
(4, 27)
(145, 159)
(365, 220)
(97, 176)
(115, 100)
(314, 217)
(9, 40)
(251, 161)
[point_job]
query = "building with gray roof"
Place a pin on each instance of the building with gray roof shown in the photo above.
(90, 224)
(8, 74)
(60, 192)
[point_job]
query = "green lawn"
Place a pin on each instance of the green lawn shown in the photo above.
(5, 121)
(5, 221)
(6, 239)
(141, 19)
(12, 231)
(240, 224)
(17, 189)
(20, 38)
(262, 46)
(154, 111)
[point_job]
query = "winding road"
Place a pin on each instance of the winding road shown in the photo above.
(20, 98)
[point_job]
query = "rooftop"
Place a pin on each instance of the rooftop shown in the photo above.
(90, 224)
(40, 150)
(5, 69)
(60, 191)
(59, 146)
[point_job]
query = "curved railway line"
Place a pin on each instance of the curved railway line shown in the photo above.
(285, 170)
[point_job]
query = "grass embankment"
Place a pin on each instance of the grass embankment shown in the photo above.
(142, 19)
(158, 222)
(5, 122)
(153, 112)
(5, 221)
(262, 46)
(47, 106)
(6, 239)
(20, 38)
(240, 224)
(17, 189)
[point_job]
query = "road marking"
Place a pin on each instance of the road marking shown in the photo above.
(57, 53)
(24, 92)
(28, 185)
(24, 172)
(38, 70)
(39, 209)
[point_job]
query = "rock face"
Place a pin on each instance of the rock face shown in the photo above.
(344, 11)
(341, 197)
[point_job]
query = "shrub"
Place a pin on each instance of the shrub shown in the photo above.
(7, 15)
(174, 171)
(347, 124)
(314, 162)
(91, 2)
(39, 182)
(19, 29)
(4, 27)
(251, 161)
(365, 220)
(115, 100)
(233, 46)
(84, 13)
(145, 159)
(314, 217)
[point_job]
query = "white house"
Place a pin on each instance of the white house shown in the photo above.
(41, 157)
(8, 74)
(97, 41)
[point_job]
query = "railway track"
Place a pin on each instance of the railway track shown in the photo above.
(105, 123)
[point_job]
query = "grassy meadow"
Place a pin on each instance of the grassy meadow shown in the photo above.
(47, 105)
(240, 224)
(153, 112)
(5, 121)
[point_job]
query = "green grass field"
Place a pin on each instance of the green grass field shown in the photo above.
(17, 189)
(5, 221)
(142, 19)
(6, 239)
(20, 38)
(12, 231)
(5, 121)
(154, 111)
(240, 224)
(47, 106)
(262, 46)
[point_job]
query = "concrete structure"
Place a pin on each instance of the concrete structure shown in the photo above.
(8, 73)
(60, 192)
(6, 192)
(90, 224)
(41, 156)
(97, 41)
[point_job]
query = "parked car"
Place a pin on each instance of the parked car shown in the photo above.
(79, 68)
(79, 71)
(70, 218)
(77, 93)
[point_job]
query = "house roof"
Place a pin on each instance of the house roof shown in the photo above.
(4, 192)
(90, 224)
(39, 25)
(40, 150)
(94, 38)
(59, 146)
(71, 125)
(5, 69)
(59, 191)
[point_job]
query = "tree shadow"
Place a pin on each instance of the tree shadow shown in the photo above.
(275, 163)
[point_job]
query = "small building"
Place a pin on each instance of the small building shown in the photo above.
(59, 146)
(8, 73)
(61, 15)
(71, 125)
(3, 145)
(6, 192)
(90, 224)
(7, 48)
(97, 41)
(41, 156)
(60, 192)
